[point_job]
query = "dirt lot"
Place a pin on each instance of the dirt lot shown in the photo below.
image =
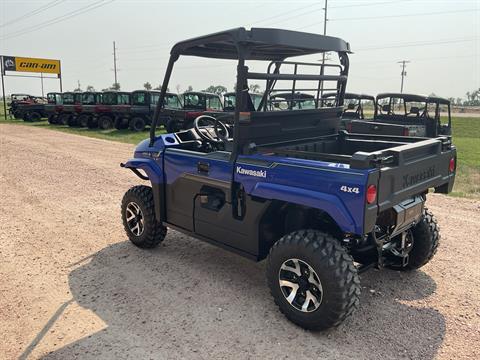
(71, 286)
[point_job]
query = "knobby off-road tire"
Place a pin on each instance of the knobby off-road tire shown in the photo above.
(82, 120)
(337, 277)
(52, 119)
(137, 124)
(120, 124)
(426, 238)
(105, 122)
(138, 201)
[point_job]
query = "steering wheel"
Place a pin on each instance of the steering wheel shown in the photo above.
(217, 126)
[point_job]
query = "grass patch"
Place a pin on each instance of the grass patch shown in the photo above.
(466, 137)
(125, 136)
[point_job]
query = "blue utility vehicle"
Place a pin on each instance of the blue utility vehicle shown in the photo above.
(320, 204)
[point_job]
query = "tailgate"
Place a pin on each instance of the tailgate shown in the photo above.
(414, 168)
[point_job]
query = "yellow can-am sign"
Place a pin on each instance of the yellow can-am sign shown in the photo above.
(23, 64)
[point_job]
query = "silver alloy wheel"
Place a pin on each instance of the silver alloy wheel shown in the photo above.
(135, 220)
(300, 285)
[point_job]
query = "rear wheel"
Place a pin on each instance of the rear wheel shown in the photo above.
(105, 122)
(138, 215)
(421, 242)
(137, 124)
(313, 279)
(82, 120)
(26, 116)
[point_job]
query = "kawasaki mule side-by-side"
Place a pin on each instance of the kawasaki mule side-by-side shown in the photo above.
(408, 115)
(319, 204)
(143, 107)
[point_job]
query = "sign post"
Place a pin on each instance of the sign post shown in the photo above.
(30, 65)
(3, 92)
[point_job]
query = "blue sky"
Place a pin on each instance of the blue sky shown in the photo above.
(440, 38)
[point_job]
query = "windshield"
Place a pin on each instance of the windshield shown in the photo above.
(194, 101)
(229, 102)
(53, 98)
(214, 103)
(68, 98)
(139, 98)
(88, 99)
(109, 98)
(171, 101)
(123, 99)
(400, 107)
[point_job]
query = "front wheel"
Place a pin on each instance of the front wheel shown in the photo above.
(83, 120)
(137, 124)
(105, 122)
(313, 279)
(121, 123)
(138, 215)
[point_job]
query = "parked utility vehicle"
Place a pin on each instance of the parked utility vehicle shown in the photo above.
(90, 100)
(113, 111)
(319, 204)
(356, 107)
(408, 115)
(143, 107)
(53, 107)
(71, 106)
(27, 107)
(195, 103)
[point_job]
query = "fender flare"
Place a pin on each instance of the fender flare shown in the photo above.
(149, 166)
(154, 175)
(328, 203)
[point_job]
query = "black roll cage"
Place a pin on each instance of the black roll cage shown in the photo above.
(274, 45)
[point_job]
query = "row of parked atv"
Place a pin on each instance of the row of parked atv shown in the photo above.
(387, 114)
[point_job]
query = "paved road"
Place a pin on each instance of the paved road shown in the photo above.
(73, 287)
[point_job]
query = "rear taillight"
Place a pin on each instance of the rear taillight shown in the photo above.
(371, 194)
(451, 166)
(406, 132)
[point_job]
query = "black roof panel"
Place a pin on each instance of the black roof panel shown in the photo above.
(259, 44)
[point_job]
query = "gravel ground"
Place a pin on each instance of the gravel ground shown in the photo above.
(71, 285)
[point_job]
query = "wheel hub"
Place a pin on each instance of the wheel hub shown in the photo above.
(134, 216)
(300, 285)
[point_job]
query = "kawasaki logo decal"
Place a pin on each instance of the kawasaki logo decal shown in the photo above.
(250, 172)
(410, 180)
